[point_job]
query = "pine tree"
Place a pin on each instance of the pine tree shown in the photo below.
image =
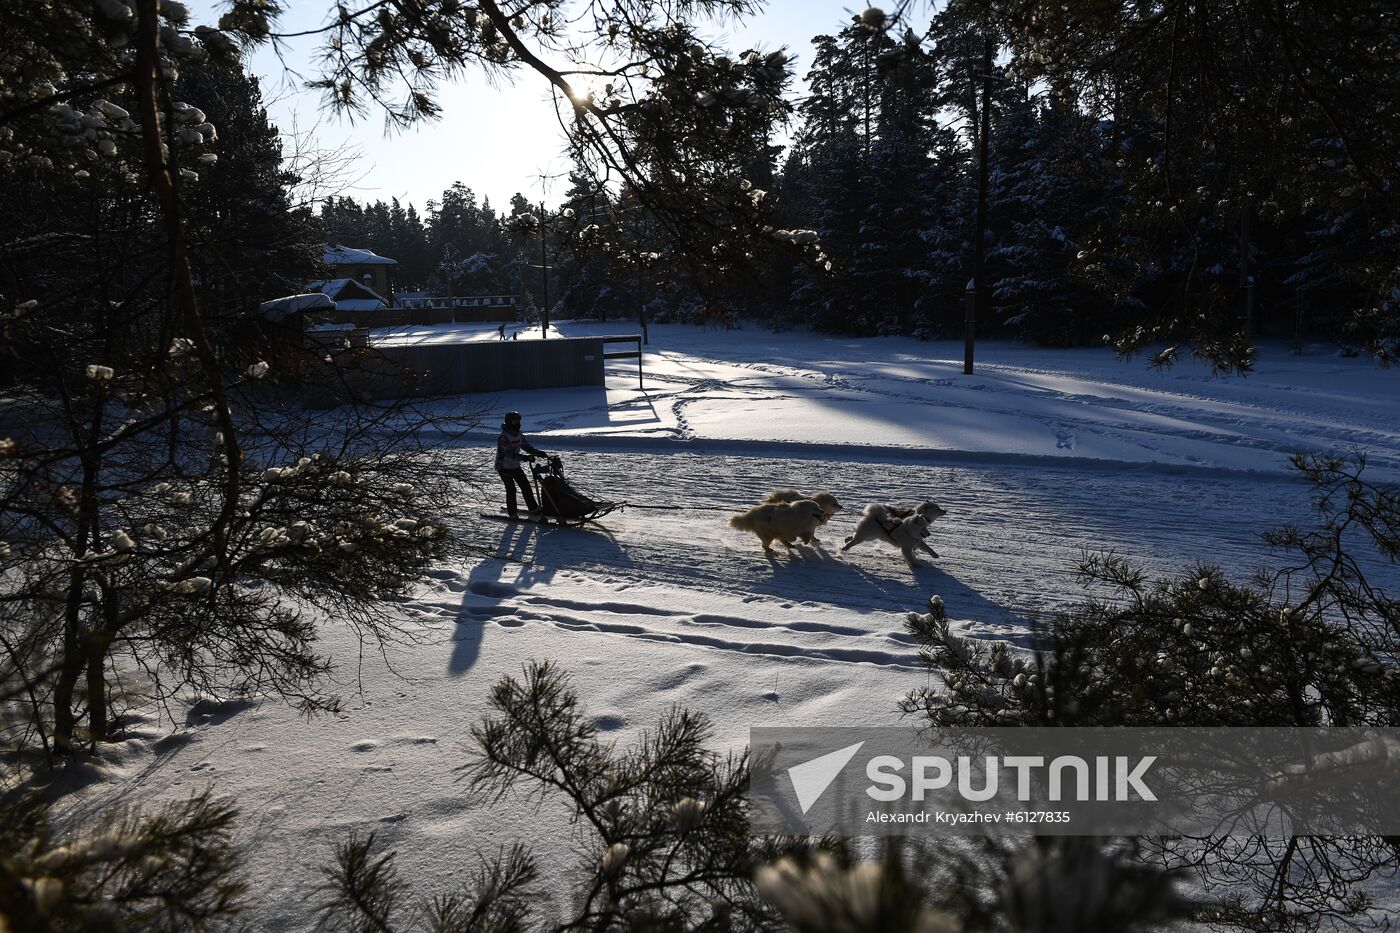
(166, 503)
(172, 871)
(1223, 116)
(870, 168)
(252, 243)
(1049, 192)
(1312, 644)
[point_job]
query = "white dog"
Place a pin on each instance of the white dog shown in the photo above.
(880, 523)
(781, 521)
(824, 499)
(928, 509)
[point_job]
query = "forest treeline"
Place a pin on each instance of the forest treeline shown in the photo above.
(1157, 185)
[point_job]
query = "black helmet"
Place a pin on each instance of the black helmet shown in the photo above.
(512, 418)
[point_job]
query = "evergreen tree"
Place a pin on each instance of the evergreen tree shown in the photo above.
(1226, 108)
(1313, 644)
(252, 244)
(871, 170)
(172, 871)
(1049, 191)
(586, 282)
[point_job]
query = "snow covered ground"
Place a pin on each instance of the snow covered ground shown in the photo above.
(1039, 457)
(752, 387)
(422, 335)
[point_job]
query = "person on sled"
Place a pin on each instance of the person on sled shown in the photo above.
(511, 449)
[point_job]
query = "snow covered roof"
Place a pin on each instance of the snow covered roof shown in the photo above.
(350, 256)
(349, 295)
(360, 304)
(279, 309)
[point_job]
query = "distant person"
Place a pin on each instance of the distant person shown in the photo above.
(502, 330)
(511, 448)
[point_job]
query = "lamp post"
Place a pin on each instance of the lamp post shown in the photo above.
(976, 287)
(544, 271)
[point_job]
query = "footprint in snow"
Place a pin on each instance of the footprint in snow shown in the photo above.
(364, 745)
(1064, 439)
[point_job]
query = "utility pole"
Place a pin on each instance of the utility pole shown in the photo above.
(544, 272)
(637, 274)
(977, 287)
(1245, 281)
(592, 219)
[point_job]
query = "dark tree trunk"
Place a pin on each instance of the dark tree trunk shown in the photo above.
(97, 694)
(1246, 283)
(63, 689)
(71, 666)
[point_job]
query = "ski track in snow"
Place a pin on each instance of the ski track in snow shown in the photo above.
(1038, 402)
(1008, 550)
(1177, 416)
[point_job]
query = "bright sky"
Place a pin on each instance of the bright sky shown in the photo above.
(495, 140)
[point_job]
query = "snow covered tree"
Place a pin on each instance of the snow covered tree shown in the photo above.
(172, 871)
(666, 845)
(664, 828)
(250, 241)
(1050, 189)
(906, 185)
(170, 511)
(472, 254)
(173, 519)
(874, 172)
(1313, 644)
(587, 286)
(1229, 102)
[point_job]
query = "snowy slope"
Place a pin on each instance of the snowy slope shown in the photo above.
(803, 389)
(1055, 454)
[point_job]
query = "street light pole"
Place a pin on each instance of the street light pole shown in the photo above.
(544, 272)
(637, 271)
(977, 287)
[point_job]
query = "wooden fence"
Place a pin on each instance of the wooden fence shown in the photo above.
(397, 372)
(427, 311)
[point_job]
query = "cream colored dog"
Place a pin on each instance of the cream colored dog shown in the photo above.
(825, 499)
(878, 523)
(781, 521)
(928, 509)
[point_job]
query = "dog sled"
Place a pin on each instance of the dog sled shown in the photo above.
(561, 502)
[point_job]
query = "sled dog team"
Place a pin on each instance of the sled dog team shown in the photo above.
(788, 515)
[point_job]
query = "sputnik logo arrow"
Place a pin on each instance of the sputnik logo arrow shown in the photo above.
(811, 778)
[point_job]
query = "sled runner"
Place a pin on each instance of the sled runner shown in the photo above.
(522, 519)
(561, 503)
